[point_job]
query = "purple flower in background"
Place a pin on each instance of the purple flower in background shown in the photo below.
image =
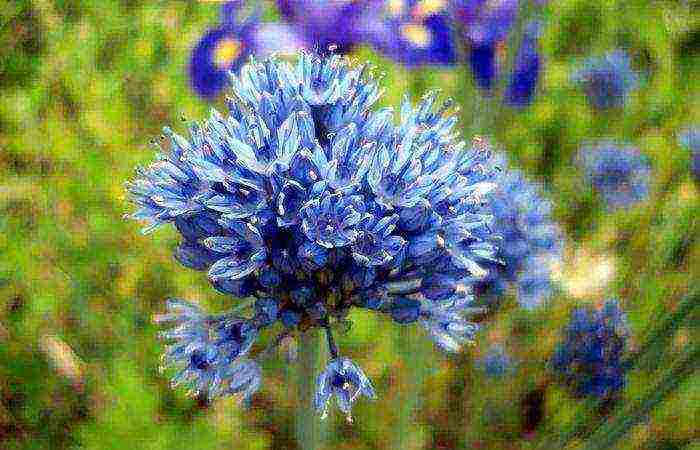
(322, 24)
(415, 33)
(223, 48)
(619, 173)
(589, 358)
(531, 239)
(278, 38)
(526, 70)
(310, 202)
(485, 22)
(690, 139)
(484, 25)
(607, 79)
(496, 362)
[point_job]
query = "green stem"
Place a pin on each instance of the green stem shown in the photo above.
(411, 379)
(610, 18)
(308, 422)
(410, 384)
(665, 330)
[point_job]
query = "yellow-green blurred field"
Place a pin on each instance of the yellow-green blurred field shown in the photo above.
(84, 86)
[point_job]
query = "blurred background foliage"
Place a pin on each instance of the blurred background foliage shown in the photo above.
(85, 85)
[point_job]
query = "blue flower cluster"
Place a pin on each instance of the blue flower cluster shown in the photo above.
(690, 139)
(311, 202)
(531, 240)
(607, 79)
(619, 173)
(590, 357)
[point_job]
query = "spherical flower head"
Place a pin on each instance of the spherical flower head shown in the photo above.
(415, 33)
(690, 139)
(619, 173)
(589, 359)
(531, 239)
(344, 380)
(607, 79)
(308, 198)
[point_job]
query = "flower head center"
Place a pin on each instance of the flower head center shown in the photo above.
(199, 360)
(416, 34)
(226, 52)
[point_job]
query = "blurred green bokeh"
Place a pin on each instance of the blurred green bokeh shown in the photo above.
(84, 86)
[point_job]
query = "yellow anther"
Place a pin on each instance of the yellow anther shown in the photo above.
(427, 8)
(226, 52)
(395, 7)
(416, 34)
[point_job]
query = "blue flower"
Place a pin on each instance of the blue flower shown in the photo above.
(619, 173)
(531, 239)
(223, 48)
(415, 33)
(331, 220)
(485, 22)
(278, 38)
(589, 359)
(485, 25)
(482, 61)
(344, 380)
(447, 322)
(204, 347)
(328, 24)
(496, 362)
(522, 84)
(690, 139)
(311, 202)
(227, 46)
(607, 79)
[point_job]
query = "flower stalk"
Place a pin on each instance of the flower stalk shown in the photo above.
(307, 425)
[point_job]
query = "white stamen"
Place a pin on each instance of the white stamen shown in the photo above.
(440, 241)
